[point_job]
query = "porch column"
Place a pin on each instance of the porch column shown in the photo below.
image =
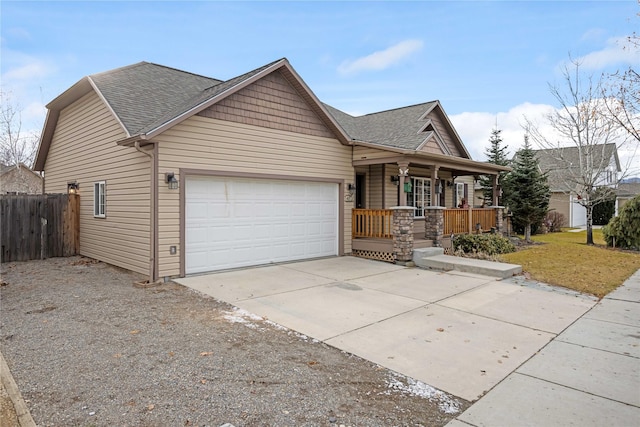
(434, 224)
(499, 212)
(403, 173)
(494, 183)
(435, 197)
(402, 230)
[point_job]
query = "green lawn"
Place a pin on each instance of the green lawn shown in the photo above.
(565, 260)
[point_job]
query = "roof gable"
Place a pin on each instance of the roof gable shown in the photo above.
(271, 102)
(416, 127)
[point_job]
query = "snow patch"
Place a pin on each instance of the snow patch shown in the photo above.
(242, 316)
(249, 319)
(407, 385)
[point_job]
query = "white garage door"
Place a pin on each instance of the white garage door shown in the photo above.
(236, 222)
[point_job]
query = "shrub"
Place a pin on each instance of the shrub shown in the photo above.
(604, 211)
(623, 231)
(488, 244)
(554, 221)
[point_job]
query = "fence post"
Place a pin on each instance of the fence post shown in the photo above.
(43, 238)
(402, 230)
(72, 225)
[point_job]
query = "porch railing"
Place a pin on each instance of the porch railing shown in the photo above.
(459, 221)
(373, 223)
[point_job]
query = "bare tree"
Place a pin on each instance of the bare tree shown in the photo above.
(621, 94)
(583, 151)
(16, 146)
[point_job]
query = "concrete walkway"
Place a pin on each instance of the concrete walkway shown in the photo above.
(589, 375)
(459, 332)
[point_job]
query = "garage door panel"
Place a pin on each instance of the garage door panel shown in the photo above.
(233, 222)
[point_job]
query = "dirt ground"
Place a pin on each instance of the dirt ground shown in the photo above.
(8, 416)
(87, 347)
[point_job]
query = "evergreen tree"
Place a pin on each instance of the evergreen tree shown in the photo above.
(527, 191)
(497, 155)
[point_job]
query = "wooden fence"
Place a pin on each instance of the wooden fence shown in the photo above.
(39, 226)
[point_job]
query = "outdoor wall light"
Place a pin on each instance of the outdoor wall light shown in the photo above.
(395, 180)
(170, 178)
(72, 187)
(351, 188)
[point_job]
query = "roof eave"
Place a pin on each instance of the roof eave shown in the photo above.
(485, 167)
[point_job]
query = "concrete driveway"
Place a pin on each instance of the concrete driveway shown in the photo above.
(459, 332)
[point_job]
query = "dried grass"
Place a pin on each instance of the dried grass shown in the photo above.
(566, 260)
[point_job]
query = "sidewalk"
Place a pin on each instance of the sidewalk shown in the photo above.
(589, 375)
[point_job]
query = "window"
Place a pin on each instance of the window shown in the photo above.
(459, 193)
(99, 199)
(420, 195)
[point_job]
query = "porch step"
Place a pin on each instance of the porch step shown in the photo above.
(431, 258)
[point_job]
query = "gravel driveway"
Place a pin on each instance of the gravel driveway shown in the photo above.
(88, 348)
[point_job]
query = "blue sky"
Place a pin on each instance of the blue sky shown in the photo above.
(484, 60)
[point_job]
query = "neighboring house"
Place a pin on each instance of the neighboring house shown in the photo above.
(625, 192)
(563, 168)
(19, 179)
(180, 173)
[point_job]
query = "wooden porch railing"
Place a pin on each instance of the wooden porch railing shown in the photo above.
(459, 221)
(374, 223)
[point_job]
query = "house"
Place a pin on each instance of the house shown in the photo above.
(180, 173)
(627, 190)
(564, 176)
(19, 179)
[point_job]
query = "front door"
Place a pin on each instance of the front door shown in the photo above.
(361, 180)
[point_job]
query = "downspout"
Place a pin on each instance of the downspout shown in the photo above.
(152, 209)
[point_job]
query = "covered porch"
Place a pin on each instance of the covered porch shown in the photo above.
(432, 192)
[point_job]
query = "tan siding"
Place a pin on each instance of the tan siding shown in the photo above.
(559, 202)
(432, 146)
(375, 186)
(444, 132)
(271, 102)
(363, 153)
(84, 149)
(390, 189)
(215, 145)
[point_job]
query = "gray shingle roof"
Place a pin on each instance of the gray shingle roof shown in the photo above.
(563, 164)
(199, 97)
(399, 128)
(142, 92)
(628, 189)
(145, 95)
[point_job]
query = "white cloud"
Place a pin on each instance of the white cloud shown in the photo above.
(475, 129)
(29, 70)
(382, 59)
(617, 51)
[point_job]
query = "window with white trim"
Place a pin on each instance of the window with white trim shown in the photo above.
(99, 199)
(420, 195)
(459, 193)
